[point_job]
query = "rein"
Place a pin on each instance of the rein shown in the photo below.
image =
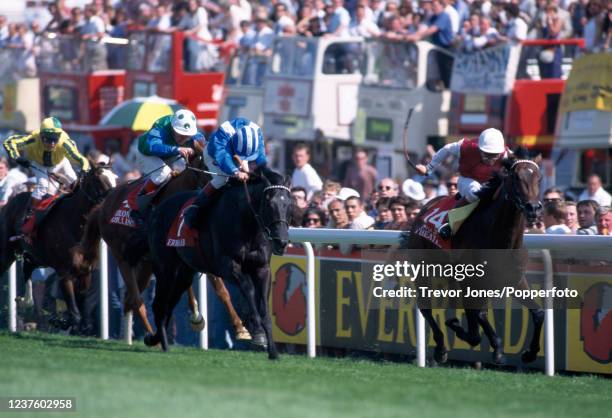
(265, 229)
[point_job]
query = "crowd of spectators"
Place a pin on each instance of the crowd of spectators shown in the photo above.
(450, 24)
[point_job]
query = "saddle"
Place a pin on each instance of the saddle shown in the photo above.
(32, 223)
(123, 212)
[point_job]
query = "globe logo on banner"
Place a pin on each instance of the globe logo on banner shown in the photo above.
(596, 323)
(289, 299)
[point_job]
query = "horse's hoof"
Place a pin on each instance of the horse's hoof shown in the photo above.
(197, 324)
(273, 356)
(243, 335)
(498, 357)
(441, 355)
(529, 356)
(260, 340)
(23, 303)
(150, 340)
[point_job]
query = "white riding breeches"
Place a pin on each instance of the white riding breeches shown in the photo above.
(157, 169)
(468, 188)
(46, 186)
(217, 181)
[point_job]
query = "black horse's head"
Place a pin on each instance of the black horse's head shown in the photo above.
(274, 209)
(97, 182)
(522, 186)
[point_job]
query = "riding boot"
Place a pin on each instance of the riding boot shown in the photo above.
(445, 231)
(193, 212)
(147, 187)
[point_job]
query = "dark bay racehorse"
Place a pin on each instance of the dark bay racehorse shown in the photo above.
(59, 231)
(136, 271)
(237, 236)
(507, 203)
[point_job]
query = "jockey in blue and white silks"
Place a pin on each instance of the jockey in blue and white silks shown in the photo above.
(240, 138)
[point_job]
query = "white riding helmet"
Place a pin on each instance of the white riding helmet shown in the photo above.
(491, 141)
(184, 122)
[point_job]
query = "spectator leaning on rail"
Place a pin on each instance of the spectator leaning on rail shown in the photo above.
(239, 137)
(586, 217)
(47, 150)
(554, 216)
(476, 160)
(571, 217)
(164, 150)
(358, 218)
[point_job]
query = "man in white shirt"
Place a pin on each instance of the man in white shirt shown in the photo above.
(488, 34)
(304, 175)
(516, 30)
(453, 15)
(362, 26)
(7, 183)
(595, 192)
(358, 218)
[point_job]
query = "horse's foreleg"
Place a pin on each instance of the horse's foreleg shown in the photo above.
(440, 351)
(248, 289)
(242, 334)
(262, 280)
(494, 339)
(537, 318)
(196, 319)
(471, 336)
(70, 298)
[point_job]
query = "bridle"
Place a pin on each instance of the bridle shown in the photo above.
(266, 229)
(514, 195)
(98, 195)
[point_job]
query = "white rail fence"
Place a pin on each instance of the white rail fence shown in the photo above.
(342, 236)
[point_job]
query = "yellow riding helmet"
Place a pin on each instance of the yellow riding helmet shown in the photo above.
(50, 129)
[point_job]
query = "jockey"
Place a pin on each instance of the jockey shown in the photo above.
(476, 160)
(236, 138)
(160, 151)
(48, 151)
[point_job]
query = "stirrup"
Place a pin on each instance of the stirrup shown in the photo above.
(445, 231)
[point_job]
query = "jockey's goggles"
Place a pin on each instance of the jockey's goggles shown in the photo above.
(489, 157)
(50, 137)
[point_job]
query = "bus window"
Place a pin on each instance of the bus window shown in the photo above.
(343, 58)
(159, 57)
(543, 61)
(596, 161)
(137, 49)
(61, 102)
(294, 57)
(144, 89)
(391, 64)
(254, 70)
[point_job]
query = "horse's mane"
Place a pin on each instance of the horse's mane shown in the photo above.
(487, 192)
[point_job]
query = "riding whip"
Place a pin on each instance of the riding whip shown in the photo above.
(406, 138)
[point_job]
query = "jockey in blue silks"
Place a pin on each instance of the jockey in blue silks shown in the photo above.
(240, 138)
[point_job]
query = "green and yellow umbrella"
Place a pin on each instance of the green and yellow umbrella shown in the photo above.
(140, 113)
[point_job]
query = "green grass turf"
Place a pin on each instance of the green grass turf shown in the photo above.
(110, 379)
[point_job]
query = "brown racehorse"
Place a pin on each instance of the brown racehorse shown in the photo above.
(506, 202)
(137, 275)
(58, 232)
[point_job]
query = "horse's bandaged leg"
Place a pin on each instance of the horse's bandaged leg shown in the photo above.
(457, 216)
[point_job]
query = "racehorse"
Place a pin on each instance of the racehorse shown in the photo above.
(237, 236)
(507, 202)
(136, 271)
(59, 230)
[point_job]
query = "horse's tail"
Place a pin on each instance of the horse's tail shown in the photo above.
(85, 254)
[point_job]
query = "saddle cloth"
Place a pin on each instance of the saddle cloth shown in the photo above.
(180, 235)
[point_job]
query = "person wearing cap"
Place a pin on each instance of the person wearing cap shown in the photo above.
(413, 190)
(163, 150)
(47, 150)
(476, 160)
(234, 148)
